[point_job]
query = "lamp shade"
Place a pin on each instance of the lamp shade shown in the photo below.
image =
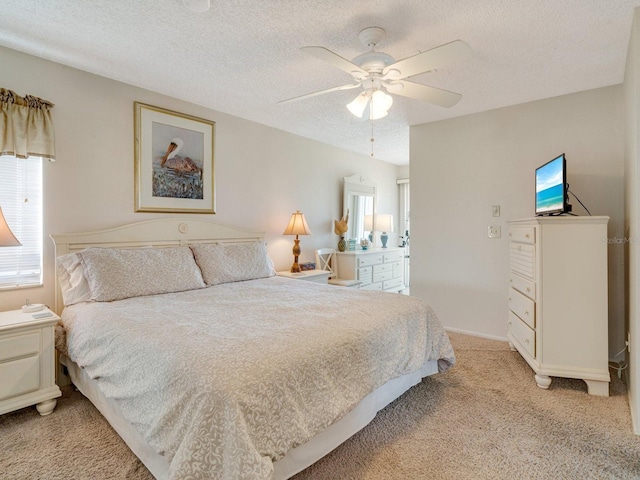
(384, 223)
(7, 238)
(297, 225)
(358, 105)
(380, 104)
(368, 223)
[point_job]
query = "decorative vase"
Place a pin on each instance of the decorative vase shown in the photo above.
(342, 244)
(383, 238)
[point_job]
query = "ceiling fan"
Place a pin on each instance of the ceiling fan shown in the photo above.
(376, 72)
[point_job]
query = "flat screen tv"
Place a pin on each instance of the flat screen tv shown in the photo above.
(551, 187)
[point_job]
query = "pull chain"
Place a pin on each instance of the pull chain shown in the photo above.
(372, 139)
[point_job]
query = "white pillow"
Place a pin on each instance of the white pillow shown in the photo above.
(114, 274)
(232, 262)
(73, 283)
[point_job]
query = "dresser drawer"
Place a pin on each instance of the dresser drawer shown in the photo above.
(382, 276)
(365, 275)
(383, 267)
(19, 377)
(524, 335)
(372, 286)
(523, 307)
(391, 284)
(523, 285)
(368, 260)
(523, 234)
(21, 345)
(397, 269)
(522, 259)
(392, 257)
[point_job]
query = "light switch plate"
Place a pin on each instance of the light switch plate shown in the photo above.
(495, 210)
(493, 232)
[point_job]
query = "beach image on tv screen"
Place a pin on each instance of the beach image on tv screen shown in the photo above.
(549, 187)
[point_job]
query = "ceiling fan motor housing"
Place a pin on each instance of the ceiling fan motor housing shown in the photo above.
(373, 62)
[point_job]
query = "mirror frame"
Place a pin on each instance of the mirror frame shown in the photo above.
(359, 184)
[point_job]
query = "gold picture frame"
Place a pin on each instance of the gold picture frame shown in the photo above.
(173, 161)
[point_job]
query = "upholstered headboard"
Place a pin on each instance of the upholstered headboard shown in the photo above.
(164, 232)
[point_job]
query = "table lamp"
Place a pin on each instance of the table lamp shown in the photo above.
(7, 238)
(368, 226)
(384, 224)
(297, 226)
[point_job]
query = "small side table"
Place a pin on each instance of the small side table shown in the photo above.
(27, 361)
(318, 276)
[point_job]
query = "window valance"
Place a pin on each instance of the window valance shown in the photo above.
(26, 128)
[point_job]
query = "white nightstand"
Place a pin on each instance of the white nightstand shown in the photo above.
(27, 361)
(318, 276)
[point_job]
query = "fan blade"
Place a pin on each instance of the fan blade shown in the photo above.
(335, 60)
(321, 92)
(455, 51)
(437, 96)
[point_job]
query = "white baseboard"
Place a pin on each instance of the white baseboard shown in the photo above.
(476, 334)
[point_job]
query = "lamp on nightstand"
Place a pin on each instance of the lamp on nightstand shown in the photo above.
(384, 224)
(7, 238)
(297, 226)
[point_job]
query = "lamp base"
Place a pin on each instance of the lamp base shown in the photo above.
(295, 268)
(383, 238)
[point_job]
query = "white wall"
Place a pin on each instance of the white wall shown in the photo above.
(463, 166)
(403, 171)
(632, 214)
(262, 174)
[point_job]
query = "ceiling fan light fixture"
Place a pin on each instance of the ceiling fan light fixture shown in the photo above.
(358, 104)
(380, 104)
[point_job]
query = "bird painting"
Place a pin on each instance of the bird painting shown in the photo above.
(177, 163)
(176, 176)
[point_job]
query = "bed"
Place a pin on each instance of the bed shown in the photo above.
(210, 366)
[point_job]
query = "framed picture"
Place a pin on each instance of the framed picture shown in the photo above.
(173, 161)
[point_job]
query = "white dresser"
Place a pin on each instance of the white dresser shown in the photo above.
(376, 269)
(558, 300)
(27, 358)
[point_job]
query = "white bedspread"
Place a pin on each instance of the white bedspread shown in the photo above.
(225, 380)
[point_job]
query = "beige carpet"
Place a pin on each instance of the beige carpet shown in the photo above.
(485, 419)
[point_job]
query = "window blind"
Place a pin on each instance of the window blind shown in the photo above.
(21, 202)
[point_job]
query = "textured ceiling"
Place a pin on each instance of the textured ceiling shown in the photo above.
(243, 56)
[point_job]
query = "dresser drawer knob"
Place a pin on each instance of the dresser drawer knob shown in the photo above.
(526, 236)
(526, 313)
(526, 340)
(528, 289)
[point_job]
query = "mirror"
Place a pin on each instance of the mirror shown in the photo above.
(360, 199)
